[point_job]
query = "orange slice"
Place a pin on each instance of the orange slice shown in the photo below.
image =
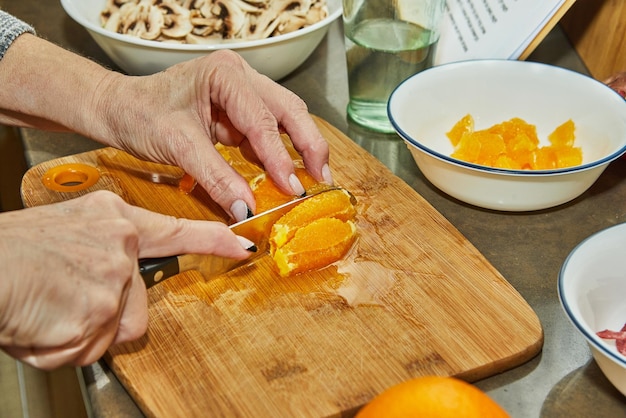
(512, 128)
(312, 235)
(463, 126)
(268, 195)
(563, 135)
(514, 144)
(569, 157)
(330, 204)
(315, 245)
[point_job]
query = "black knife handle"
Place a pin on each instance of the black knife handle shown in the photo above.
(155, 270)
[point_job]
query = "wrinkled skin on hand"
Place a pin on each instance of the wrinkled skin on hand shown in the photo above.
(618, 83)
(217, 98)
(173, 117)
(71, 285)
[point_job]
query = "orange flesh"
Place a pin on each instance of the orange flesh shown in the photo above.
(315, 245)
(514, 144)
(314, 234)
(186, 184)
(331, 204)
(268, 195)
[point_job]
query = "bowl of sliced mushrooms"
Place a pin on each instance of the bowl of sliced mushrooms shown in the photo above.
(147, 36)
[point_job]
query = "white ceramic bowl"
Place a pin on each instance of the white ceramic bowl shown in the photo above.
(592, 290)
(275, 57)
(426, 106)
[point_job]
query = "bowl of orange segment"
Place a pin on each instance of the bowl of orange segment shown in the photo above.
(509, 135)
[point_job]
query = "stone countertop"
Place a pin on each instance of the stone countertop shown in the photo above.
(527, 248)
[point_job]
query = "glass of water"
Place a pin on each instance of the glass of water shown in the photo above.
(387, 41)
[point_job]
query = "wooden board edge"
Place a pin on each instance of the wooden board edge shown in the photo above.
(505, 364)
(546, 29)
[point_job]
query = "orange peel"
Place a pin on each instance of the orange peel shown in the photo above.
(433, 397)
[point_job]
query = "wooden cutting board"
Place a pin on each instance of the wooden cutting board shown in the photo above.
(413, 298)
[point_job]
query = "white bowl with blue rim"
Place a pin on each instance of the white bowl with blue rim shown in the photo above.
(427, 105)
(592, 291)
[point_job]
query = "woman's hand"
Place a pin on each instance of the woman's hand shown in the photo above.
(71, 285)
(173, 117)
(178, 115)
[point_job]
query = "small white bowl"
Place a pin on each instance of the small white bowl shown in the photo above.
(426, 106)
(592, 290)
(275, 57)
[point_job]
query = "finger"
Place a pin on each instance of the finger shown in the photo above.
(161, 235)
(50, 358)
(218, 178)
(134, 316)
(249, 114)
(44, 359)
(227, 134)
(248, 153)
(293, 116)
(224, 131)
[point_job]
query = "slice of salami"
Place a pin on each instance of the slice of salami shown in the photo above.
(618, 336)
(607, 334)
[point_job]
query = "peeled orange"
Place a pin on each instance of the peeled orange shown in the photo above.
(267, 195)
(463, 126)
(433, 397)
(315, 245)
(514, 144)
(315, 233)
(330, 204)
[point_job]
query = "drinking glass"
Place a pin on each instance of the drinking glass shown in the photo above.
(386, 42)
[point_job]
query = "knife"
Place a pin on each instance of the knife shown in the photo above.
(256, 228)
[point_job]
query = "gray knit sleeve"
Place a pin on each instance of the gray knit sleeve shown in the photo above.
(10, 28)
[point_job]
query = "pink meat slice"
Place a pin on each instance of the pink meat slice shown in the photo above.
(618, 336)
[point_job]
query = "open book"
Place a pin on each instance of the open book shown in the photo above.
(505, 29)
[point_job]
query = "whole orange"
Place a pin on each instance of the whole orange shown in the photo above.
(432, 397)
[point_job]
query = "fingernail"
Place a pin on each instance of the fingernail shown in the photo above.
(296, 186)
(240, 210)
(247, 244)
(326, 175)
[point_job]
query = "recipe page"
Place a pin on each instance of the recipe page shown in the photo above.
(478, 29)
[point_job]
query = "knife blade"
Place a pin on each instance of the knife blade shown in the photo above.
(256, 228)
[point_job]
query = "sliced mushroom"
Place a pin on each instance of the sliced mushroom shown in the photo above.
(289, 23)
(129, 15)
(112, 21)
(190, 20)
(186, 4)
(154, 23)
(177, 20)
(316, 13)
(234, 18)
(205, 26)
(250, 7)
(195, 39)
(269, 20)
